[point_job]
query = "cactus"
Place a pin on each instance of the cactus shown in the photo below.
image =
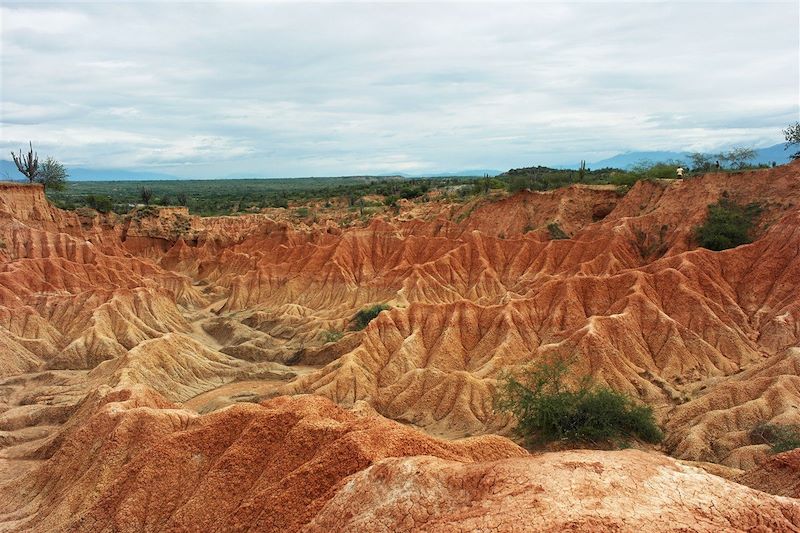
(582, 170)
(27, 164)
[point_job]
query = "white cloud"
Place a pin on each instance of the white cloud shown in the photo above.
(298, 89)
(41, 20)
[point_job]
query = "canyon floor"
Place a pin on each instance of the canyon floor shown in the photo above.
(166, 372)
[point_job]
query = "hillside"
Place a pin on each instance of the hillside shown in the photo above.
(764, 156)
(211, 364)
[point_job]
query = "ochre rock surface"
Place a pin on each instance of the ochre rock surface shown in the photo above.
(153, 467)
(117, 331)
(779, 474)
(587, 491)
(303, 464)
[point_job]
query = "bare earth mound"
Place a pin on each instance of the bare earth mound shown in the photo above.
(303, 464)
(584, 491)
(246, 468)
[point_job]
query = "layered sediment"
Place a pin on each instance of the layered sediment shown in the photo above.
(117, 332)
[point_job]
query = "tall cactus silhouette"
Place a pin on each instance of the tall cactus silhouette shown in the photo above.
(27, 164)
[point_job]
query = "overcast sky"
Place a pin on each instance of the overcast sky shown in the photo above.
(287, 89)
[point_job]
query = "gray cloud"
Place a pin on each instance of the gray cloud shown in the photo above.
(202, 89)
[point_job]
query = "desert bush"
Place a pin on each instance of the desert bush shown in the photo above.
(624, 181)
(792, 136)
(781, 438)
(486, 184)
(547, 410)
(146, 195)
(643, 171)
(738, 157)
(661, 170)
(276, 201)
(332, 335)
(410, 194)
(52, 175)
(555, 232)
(100, 203)
(727, 225)
(701, 162)
(517, 183)
(147, 211)
(366, 315)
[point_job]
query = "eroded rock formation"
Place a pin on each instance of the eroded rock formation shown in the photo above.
(116, 332)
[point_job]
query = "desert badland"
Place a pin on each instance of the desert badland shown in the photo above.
(170, 372)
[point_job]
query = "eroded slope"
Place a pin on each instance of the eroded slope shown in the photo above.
(108, 324)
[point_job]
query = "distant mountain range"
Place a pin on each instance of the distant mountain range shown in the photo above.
(624, 161)
(8, 170)
(470, 172)
(628, 159)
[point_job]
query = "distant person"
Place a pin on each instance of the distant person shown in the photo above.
(716, 165)
(680, 172)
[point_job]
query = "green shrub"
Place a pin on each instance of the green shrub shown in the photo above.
(147, 211)
(517, 183)
(411, 193)
(661, 170)
(100, 203)
(366, 315)
(727, 225)
(644, 170)
(548, 410)
(781, 438)
(301, 212)
(332, 335)
(555, 231)
(276, 201)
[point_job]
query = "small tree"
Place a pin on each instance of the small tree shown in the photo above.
(727, 225)
(647, 170)
(738, 157)
(146, 195)
(547, 409)
(366, 315)
(781, 438)
(52, 175)
(27, 164)
(517, 183)
(700, 162)
(555, 232)
(183, 198)
(100, 203)
(792, 136)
